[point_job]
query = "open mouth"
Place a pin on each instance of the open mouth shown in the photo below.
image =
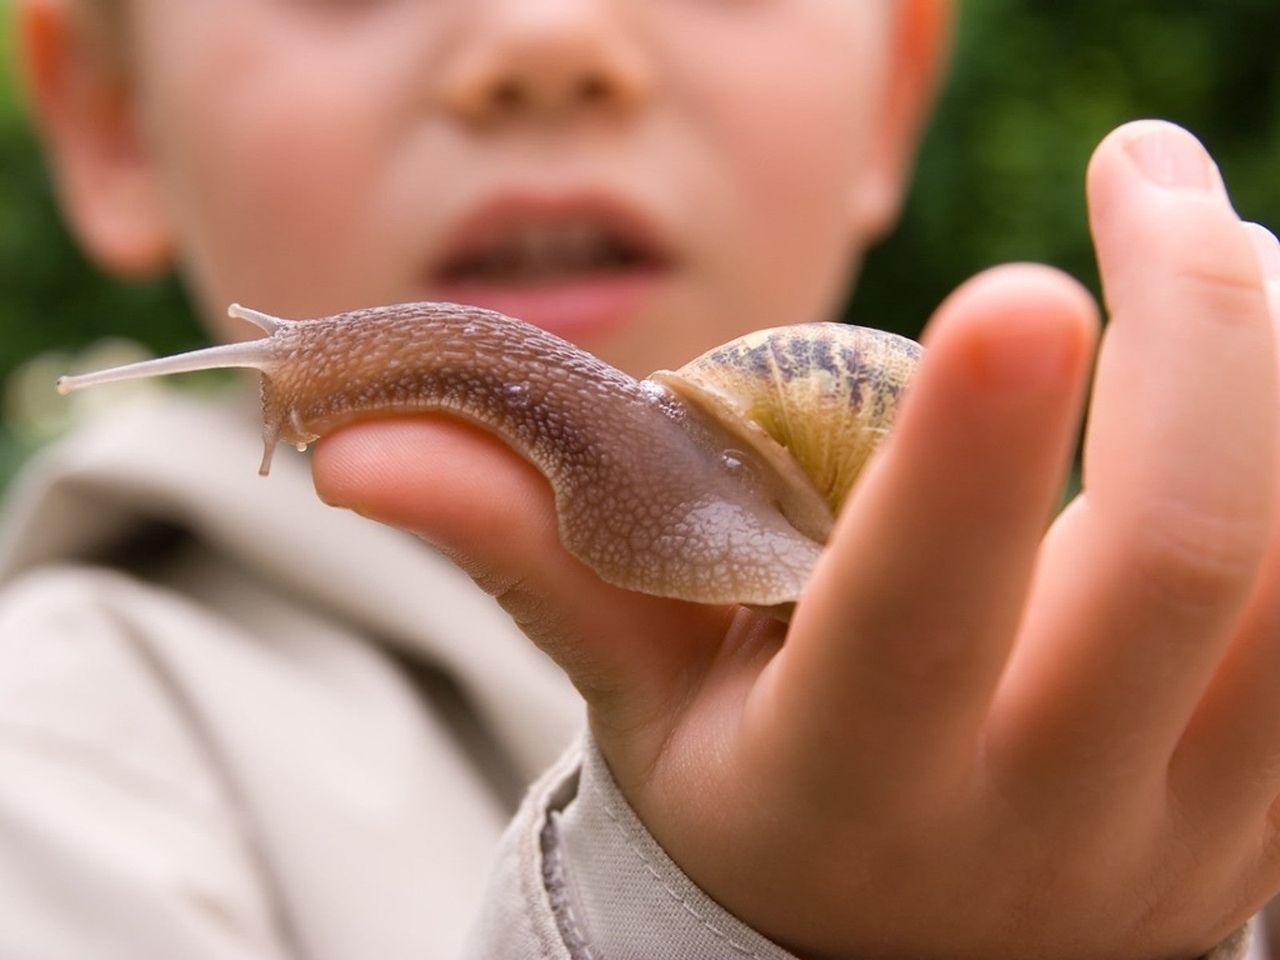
(543, 253)
(579, 267)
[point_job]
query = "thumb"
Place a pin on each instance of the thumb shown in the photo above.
(492, 513)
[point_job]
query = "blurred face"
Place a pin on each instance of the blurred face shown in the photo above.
(647, 178)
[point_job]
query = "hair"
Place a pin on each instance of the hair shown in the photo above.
(101, 29)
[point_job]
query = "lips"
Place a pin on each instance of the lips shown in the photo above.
(577, 266)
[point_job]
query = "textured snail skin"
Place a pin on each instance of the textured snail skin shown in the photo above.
(671, 486)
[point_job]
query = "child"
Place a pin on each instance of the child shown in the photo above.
(240, 725)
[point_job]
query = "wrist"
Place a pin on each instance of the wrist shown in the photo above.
(616, 891)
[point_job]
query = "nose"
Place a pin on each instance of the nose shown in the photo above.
(546, 60)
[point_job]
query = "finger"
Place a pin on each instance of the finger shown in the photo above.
(1145, 578)
(492, 513)
(905, 626)
(1228, 762)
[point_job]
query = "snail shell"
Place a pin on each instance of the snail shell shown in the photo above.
(717, 483)
(814, 398)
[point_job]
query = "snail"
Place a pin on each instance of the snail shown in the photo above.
(717, 483)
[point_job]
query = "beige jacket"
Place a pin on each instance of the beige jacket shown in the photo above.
(238, 725)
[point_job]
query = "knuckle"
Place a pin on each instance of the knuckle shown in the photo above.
(1231, 291)
(1194, 558)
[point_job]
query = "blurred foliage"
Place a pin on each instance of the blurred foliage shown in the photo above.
(1034, 86)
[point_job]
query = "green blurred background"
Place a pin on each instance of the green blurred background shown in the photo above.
(1033, 88)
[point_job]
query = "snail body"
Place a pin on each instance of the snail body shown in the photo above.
(716, 483)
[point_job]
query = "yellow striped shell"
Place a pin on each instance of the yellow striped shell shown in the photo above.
(814, 400)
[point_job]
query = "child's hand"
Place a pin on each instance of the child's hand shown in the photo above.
(977, 740)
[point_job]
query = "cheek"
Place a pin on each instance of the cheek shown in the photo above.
(788, 108)
(271, 143)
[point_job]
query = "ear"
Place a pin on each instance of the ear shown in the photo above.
(921, 41)
(77, 80)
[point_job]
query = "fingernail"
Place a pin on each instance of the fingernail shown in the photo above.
(1170, 157)
(1268, 248)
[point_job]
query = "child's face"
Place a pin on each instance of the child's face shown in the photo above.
(645, 177)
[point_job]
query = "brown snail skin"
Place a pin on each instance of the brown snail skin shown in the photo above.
(717, 483)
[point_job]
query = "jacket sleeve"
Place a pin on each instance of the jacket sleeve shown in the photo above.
(112, 845)
(580, 878)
